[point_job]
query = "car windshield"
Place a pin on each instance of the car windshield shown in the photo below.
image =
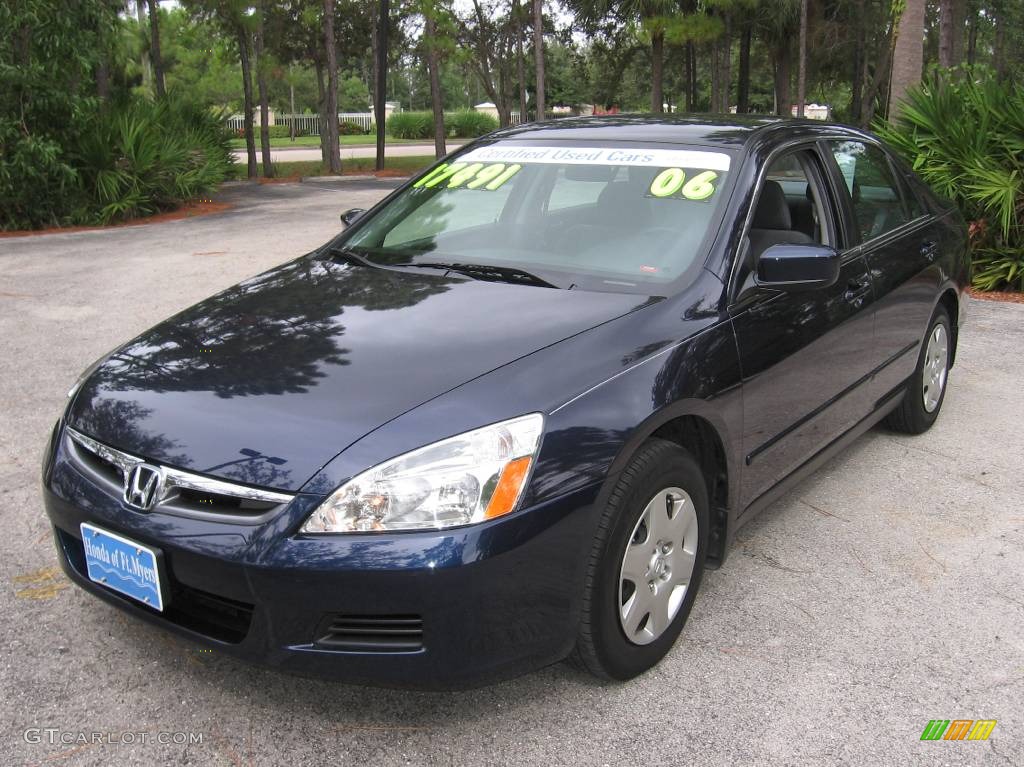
(628, 217)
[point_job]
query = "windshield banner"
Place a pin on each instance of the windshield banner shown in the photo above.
(580, 155)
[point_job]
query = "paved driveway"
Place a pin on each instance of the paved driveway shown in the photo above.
(885, 591)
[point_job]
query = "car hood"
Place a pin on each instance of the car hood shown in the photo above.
(267, 381)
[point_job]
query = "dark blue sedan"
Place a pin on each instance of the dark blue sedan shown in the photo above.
(513, 412)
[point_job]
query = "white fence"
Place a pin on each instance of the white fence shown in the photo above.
(309, 124)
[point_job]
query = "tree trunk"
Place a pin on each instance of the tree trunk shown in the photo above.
(908, 54)
(881, 76)
(972, 41)
(801, 78)
(154, 49)
(960, 19)
(261, 88)
(250, 141)
(725, 62)
(951, 33)
(538, 54)
(291, 105)
(691, 51)
(433, 72)
(783, 97)
(503, 102)
(321, 109)
(857, 78)
(103, 78)
(743, 84)
(381, 84)
(716, 75)
(520, 62)
(657, 71)
(999, 47)
(333, 149)
(147, 71)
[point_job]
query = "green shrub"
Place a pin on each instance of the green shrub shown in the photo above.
(349, 128)
(49, 53)
(38, 187)
(966, 140)
(127, 158)
(467, 123)
(414, 125)
(139, 157)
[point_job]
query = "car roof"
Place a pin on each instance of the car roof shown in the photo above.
(724, 131)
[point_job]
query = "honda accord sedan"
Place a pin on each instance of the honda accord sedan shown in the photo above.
(512, 413)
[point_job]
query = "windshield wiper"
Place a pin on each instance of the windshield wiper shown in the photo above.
(490, 273)
(341, 253)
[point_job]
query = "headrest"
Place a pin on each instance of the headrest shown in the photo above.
(772, 210)
(590, 172)
(620, 200)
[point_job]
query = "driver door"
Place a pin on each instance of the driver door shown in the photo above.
(804, 356)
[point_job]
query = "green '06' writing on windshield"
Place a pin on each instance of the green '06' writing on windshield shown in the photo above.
(471, 176)
(673, 180)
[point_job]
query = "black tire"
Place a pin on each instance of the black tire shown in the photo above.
(601, 644)
(911, 416)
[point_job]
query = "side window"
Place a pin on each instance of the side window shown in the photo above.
(789, 210)
(879, 205)
(792, 173)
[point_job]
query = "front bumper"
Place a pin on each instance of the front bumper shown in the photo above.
(490, 601)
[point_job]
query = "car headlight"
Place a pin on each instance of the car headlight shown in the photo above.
(469, 478)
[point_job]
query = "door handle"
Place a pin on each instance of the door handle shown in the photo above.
(856, 290)
(929, 249)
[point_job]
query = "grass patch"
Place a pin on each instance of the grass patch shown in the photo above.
(314, 141)
(405, 166)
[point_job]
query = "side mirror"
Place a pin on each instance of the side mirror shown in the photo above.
(798, 267)
(351, 215)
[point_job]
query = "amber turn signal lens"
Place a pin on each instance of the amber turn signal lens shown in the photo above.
(510, 484)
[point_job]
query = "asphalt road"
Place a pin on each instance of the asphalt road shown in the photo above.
(882, 593)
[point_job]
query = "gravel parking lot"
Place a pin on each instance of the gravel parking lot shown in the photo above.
(882, 593)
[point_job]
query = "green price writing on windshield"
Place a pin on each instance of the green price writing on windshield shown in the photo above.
(468, 176)
(673, 180)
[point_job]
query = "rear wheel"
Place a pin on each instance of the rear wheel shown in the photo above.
(927, 388)
(646, 563)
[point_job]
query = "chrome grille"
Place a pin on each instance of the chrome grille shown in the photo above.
(179, 492)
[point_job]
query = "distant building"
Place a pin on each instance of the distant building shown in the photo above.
(488, 108)
(811, 111)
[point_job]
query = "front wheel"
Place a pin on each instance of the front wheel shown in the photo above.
(927, 388)
(646, 563)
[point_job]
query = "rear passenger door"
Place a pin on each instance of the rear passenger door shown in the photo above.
(804, 355)
(899, 246)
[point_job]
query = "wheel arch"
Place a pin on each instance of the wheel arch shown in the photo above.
(699, 429)
(950, 300)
